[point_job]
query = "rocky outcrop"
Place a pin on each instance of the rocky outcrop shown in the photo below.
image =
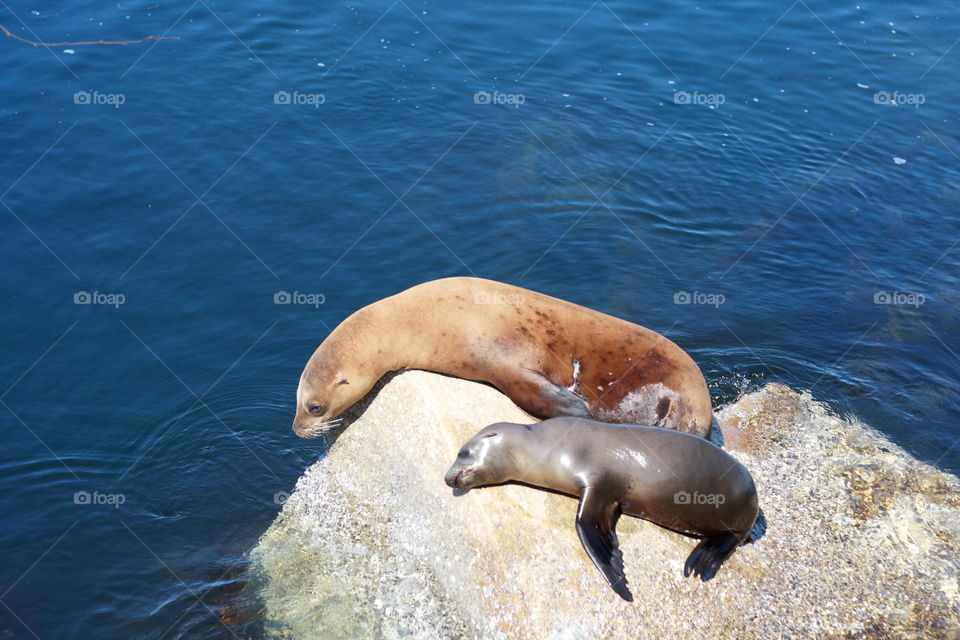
(863, 540)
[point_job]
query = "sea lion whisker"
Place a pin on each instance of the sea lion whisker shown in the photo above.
(322, 427)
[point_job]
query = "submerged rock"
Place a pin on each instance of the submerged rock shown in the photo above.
(863, 540)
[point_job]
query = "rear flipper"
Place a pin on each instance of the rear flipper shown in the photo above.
(716, 435)
(759, 527)
(706, 558)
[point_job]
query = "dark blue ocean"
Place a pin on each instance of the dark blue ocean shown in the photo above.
(774, 186)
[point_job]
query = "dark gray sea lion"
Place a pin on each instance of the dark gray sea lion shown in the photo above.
(673, 479)
(551, 357)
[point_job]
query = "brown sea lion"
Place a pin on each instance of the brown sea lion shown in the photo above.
(551, 357)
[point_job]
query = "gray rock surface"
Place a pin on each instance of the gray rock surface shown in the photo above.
(862, 542)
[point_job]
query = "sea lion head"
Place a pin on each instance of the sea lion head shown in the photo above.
(327, 387)
(344, 368)
(485, 459)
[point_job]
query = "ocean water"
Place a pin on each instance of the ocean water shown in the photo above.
(774, 186)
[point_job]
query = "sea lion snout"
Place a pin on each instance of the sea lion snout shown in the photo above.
(308, 426)
(452, 477)
(299, 426)
(458, 477)
(301, 429)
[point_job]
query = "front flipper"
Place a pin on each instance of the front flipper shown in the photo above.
(596, 525)
(565, 402)
(546, 398)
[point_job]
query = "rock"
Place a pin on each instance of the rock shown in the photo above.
(863, 540)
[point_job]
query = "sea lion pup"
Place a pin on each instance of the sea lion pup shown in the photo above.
(551, 357)
(673, 479)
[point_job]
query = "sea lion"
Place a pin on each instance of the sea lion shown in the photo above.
(673, 479)
(551, 357)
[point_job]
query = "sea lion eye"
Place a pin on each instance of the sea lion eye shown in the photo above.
(491, 434)
(316, 409)
(343, 381)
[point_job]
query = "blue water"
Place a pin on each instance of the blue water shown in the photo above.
(771, 191)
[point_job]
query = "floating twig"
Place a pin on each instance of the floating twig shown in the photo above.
(34, 43)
